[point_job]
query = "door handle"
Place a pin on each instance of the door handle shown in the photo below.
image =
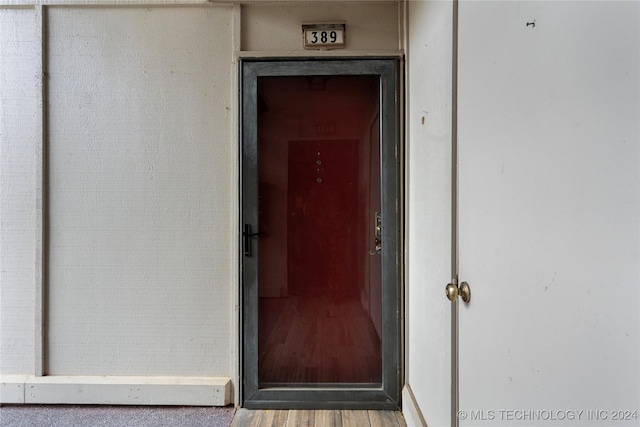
(453, 291)
(246, 239)
(377, 231)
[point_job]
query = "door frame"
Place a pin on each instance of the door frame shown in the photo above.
(341, 396)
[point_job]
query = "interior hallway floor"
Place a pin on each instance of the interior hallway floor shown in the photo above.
(317, 418)
(317, 339)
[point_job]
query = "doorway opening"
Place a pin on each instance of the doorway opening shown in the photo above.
(320, 235)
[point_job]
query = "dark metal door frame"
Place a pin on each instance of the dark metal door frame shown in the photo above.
(343, 396)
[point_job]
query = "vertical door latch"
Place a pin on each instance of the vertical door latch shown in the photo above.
(378, 234)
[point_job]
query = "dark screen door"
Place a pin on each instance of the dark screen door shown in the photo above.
(320, 272)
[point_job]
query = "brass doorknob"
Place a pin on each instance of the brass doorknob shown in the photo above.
(464, 291)
(452, 292)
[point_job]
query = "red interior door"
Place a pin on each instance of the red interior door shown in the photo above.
(324, 218)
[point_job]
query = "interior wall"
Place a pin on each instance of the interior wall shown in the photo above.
(19, 144)
(277, 26)
(427, 395)
(141, 193)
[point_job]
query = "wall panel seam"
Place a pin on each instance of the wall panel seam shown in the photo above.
(40, 195)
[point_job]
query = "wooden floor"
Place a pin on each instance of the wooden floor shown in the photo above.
(317, 418)
(317, 340)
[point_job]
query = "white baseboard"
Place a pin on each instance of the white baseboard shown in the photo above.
(112, 390)
(410, 409)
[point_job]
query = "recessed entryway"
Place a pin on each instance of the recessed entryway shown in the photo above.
(320, 234)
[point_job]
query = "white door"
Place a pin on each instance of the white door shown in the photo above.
(549, 213)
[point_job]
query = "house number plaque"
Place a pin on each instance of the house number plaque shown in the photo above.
(323, 35)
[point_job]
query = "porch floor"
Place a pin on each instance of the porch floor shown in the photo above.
(317, 418)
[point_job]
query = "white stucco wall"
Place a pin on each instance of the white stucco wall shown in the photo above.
(18, 149)
(141, 191)
(428, 227)
(277, 26)
(140, 185)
